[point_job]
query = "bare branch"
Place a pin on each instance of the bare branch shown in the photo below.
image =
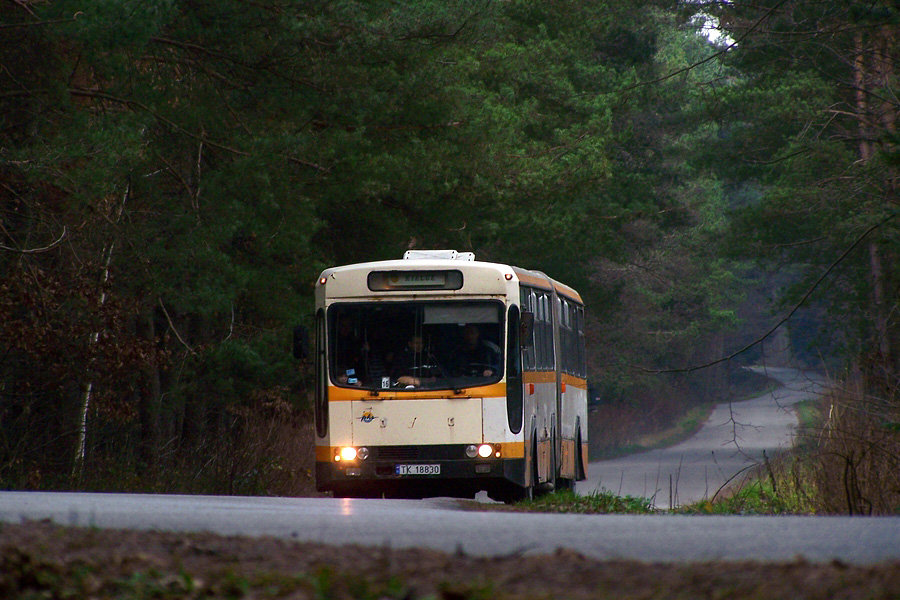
(172, 325)
(24, 6)
(306, 163)
(135, 104)
(53, 245)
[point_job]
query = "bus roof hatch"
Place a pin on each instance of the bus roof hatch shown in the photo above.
(438, 254)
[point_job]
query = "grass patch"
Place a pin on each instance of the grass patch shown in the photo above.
(598, 502)
(758, 498)
(782, 491)
(566, 501)
(785, 488)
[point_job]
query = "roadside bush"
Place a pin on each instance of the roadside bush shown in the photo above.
(846, 461)
(857, 451)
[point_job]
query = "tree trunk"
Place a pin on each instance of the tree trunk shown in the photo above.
(88, 389)
(867, 77)
(149, 398)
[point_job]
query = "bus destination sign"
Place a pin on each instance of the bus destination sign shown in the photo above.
(387, 281)
(417, 279)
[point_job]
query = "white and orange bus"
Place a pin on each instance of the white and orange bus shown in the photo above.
(439, 375)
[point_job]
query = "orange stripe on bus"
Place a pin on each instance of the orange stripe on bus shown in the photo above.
(325, 453)
(539, 376)
(342, 394)
(512, 450)
(575, 381)
(550, 377)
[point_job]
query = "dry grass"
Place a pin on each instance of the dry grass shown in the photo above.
(846, 462)
(272, 452)
(856, 450)
(266, 449)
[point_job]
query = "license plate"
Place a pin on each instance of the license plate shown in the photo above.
(417, 469)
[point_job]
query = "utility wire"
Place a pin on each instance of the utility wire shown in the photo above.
(784, 319)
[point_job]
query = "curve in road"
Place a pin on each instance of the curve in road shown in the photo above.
(729, 444)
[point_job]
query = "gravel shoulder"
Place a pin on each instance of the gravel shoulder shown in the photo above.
(40, 559)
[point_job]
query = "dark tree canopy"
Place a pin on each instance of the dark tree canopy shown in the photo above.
(175, 174)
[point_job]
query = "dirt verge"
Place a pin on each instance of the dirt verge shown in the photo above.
(42, 560)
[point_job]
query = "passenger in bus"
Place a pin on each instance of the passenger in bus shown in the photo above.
(378, 359)
(475, 357)
(348, 353)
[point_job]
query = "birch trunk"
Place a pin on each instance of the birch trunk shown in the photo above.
(88, 390)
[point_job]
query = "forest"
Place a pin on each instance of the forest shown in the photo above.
(712, 177)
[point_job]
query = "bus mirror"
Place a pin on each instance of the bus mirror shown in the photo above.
(301, 342)
(525, 328)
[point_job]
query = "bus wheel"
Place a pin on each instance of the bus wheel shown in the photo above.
(580, 471)
(554, 462)
(566, 484)
(549, 485)
(570, 484)
(528, 492)
(514, 494)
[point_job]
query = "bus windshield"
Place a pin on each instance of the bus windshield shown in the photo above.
(415, 345)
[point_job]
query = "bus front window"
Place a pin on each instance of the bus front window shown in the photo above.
(415, 345)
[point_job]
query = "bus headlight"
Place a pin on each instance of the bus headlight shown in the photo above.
(471, 451)
(348, 453)
(485, 450)
(362, 453)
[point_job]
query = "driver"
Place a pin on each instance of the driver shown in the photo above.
(475, 356)
(407, 361)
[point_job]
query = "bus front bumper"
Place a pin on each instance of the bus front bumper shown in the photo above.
(418, 474)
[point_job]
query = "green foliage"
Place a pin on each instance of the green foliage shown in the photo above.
(807, 123)
(759, 497)
(207, 159)
(596, 502)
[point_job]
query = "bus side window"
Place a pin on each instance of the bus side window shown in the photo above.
(514, 392)
(564, 335)
(539, 351)
(570, 352)
(546, 361)
(526, 330)
(579, 326)
(528, 306)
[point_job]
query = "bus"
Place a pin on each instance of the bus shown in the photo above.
(440, 375)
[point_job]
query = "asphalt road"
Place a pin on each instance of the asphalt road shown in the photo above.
(443, 525)
(726, 448)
